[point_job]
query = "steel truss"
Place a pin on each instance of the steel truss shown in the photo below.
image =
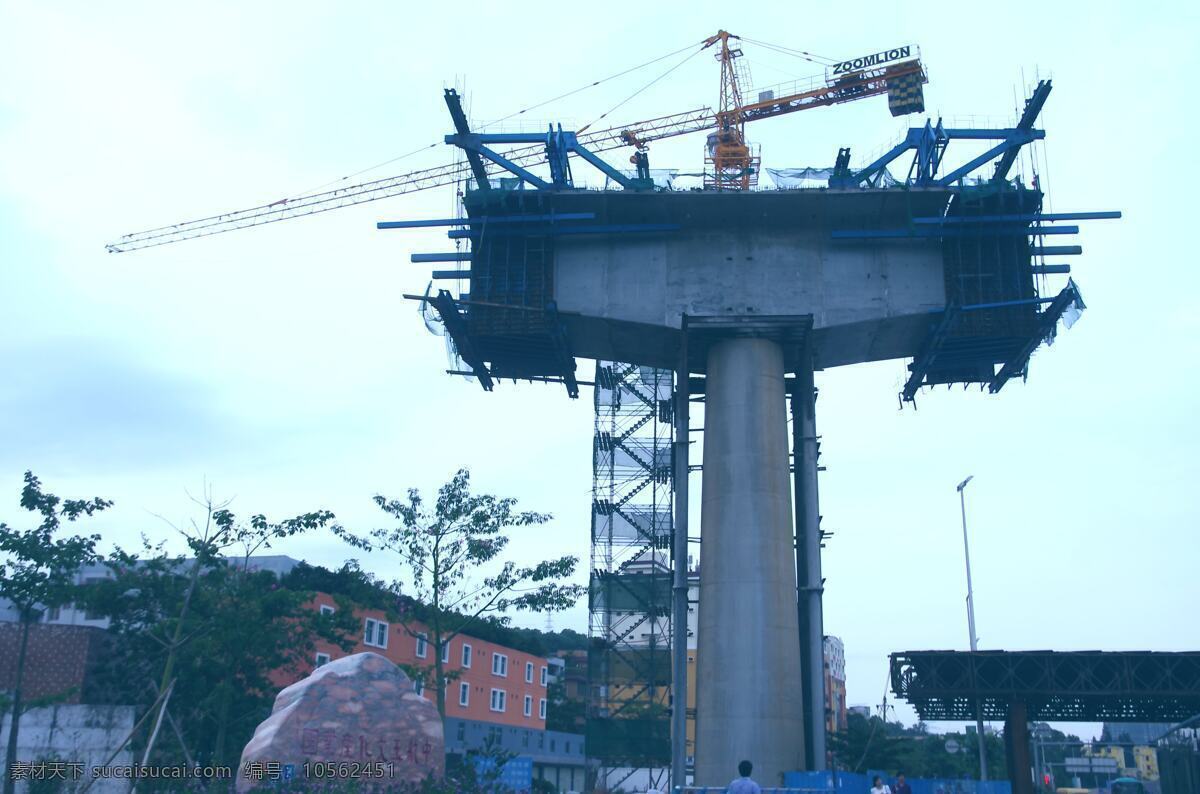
(1090, 686)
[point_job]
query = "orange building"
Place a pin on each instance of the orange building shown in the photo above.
(492, 683)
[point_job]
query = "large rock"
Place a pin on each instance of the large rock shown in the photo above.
(356, 715)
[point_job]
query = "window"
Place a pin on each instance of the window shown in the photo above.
(529, 672)
(464, 694)
(542, 709)
(462, 731)
(543, 675)
(446, 652)
(466, 656)
(422, 645)
(529, 705)
(53, 614)
(499, 696)
(552, 743)
(375, 634)
(322, 658)
(500, 664)
(419, 686)
(525, 739)
(566, 747)
(327, 610)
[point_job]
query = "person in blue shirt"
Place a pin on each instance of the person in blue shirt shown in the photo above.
(744, 784)
(901, 786)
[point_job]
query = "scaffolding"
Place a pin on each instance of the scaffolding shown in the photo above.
(629, 659)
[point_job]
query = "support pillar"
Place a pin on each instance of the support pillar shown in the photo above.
(679, 551)
(749, 701)
(1016, 746)
(808, 561)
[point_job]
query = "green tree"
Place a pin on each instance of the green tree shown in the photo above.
(453, 554)
(564, 713)
(219, 636)
(38, 572)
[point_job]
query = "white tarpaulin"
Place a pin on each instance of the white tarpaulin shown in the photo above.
(800, 178)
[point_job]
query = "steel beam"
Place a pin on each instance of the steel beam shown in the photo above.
(679, 547)
(449, 256)
(808, 559)
(484, 219)
(1057, 250)
(1020, 218)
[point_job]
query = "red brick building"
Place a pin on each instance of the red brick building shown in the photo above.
(494, 683)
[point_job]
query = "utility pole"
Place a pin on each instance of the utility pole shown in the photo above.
(962, 498)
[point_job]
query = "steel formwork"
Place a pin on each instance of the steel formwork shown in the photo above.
(629, 662)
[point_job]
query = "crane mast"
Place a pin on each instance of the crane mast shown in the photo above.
(730, 164)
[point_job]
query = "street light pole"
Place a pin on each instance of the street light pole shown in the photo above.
(983, 770)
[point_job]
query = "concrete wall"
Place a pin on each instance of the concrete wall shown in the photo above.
(747, 271)
(768, 253)
(73, 733)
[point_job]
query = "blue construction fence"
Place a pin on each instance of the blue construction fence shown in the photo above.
(851, 783)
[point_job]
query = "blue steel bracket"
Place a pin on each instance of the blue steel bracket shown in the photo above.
(930, 142)
(939, 350)
(456, 326)
(928, 353)
(559, 145)
(1046, 325)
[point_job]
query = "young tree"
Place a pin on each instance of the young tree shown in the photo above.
(224, 634)
(38, 572)
(453, 555)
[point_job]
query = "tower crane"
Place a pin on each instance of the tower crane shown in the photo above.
(731, 163)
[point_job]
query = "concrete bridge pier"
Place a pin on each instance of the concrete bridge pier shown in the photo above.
(750, 705)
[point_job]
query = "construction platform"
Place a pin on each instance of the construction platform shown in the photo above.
(946, 276)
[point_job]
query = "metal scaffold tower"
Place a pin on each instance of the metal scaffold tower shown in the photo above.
(629, 661)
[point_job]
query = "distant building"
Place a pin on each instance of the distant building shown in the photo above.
(835, 685)
(862, 711)
(1134, 732)
(1145, 760)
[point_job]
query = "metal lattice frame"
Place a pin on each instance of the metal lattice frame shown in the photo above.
(629, 664)
(1090, 686)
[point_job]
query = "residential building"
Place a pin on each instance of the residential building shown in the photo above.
(835, 685)
(1145, 759)
(488, 682)
(557, 757)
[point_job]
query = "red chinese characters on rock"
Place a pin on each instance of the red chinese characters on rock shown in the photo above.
(358, 713)
(326, 743)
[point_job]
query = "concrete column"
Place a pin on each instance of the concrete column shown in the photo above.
(1016, 745)
(749, 701)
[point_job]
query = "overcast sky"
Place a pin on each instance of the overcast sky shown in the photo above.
(281, 365)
